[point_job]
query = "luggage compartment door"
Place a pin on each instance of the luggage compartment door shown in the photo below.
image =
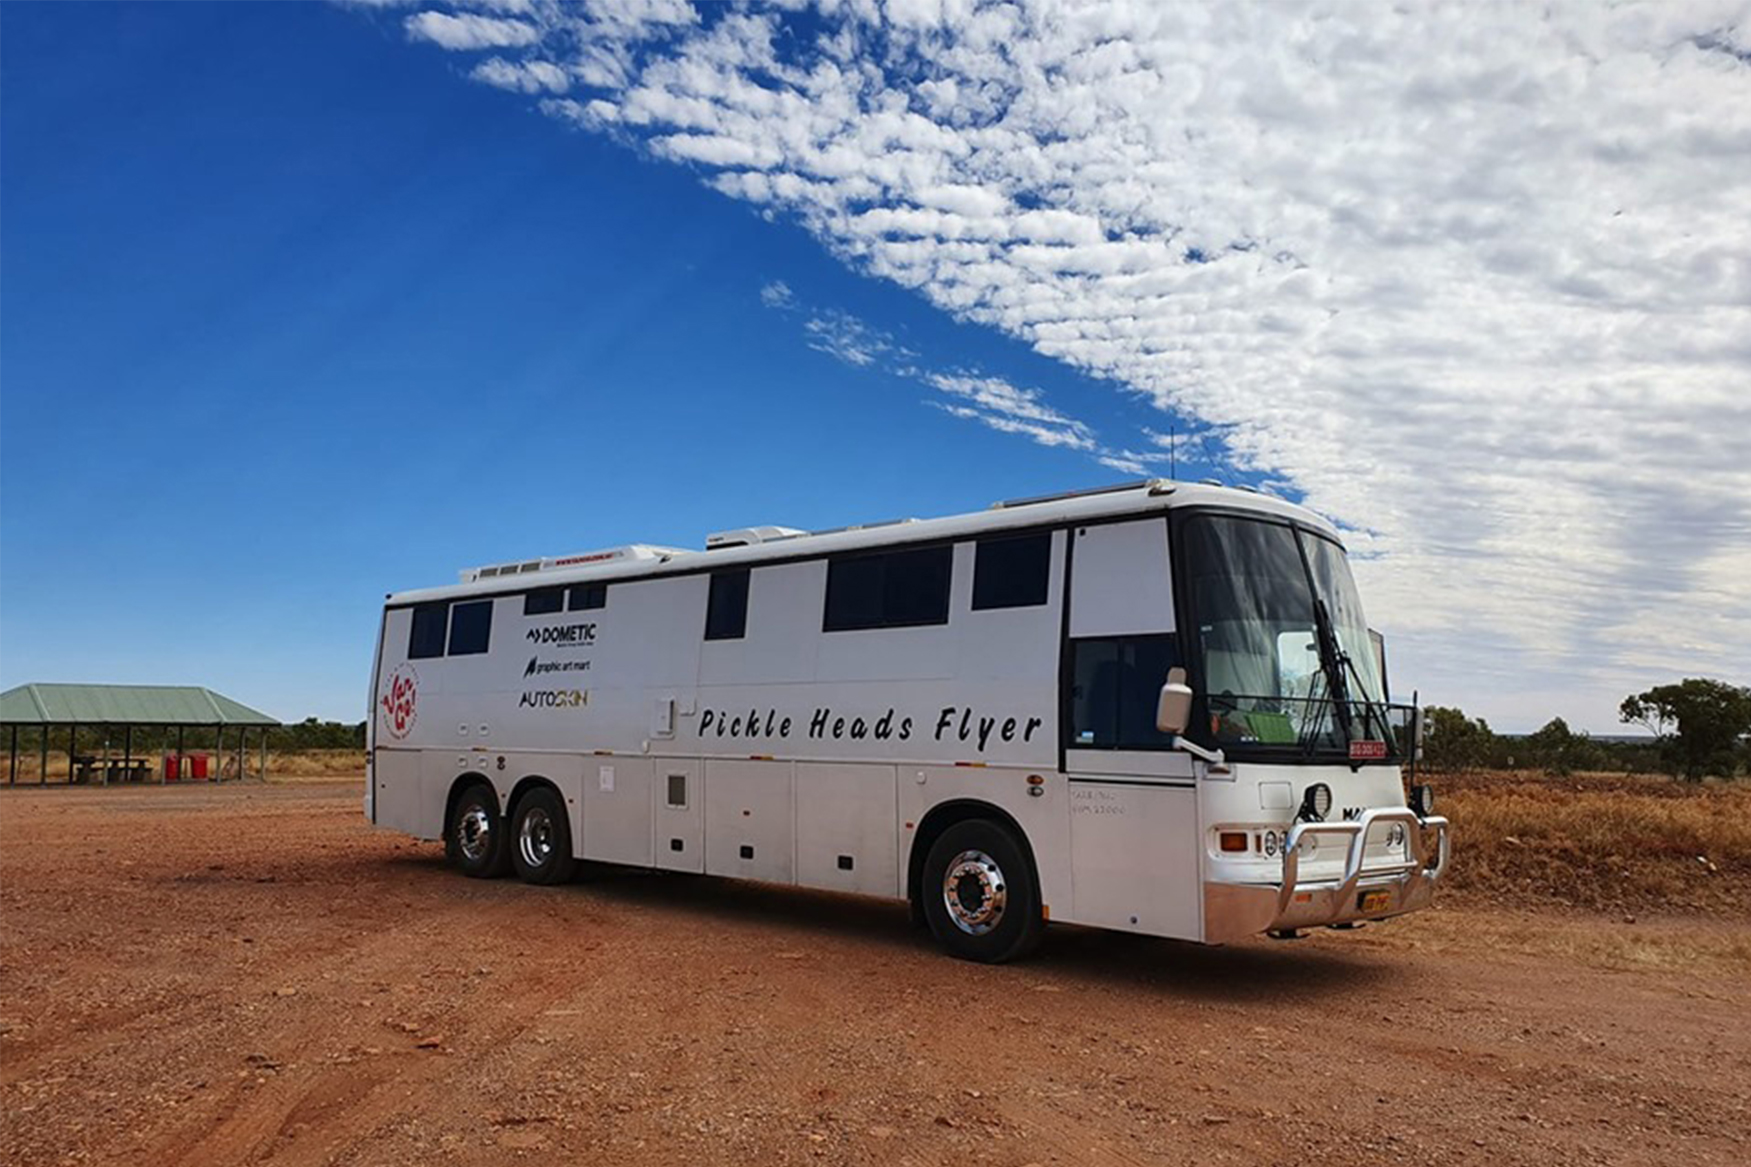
(677, 816)
(617, 810)
(847, 828)
(748, 820)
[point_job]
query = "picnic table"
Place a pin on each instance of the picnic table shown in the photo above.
(111, 769)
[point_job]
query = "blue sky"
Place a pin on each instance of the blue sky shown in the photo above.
(291, 318)
(301, 304)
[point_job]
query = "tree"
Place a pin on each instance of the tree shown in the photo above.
(1561, 750)
(1698, 723)
(1453, 741)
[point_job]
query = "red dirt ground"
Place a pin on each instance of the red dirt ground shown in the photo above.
(252, 975)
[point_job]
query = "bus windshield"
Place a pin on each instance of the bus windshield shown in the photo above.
(1262, 595)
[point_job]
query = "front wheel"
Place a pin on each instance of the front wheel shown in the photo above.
(978, 893)
(474, 838)
(541, 838)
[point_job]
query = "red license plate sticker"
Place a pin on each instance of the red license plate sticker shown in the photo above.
(1366, 749)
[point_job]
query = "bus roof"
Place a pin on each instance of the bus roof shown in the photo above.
(641, 561)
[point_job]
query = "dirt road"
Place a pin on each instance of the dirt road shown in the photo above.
(251, 974)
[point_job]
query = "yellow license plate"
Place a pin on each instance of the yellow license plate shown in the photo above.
(1374, 901)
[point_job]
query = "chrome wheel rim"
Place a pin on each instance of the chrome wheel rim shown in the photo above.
(974, 892)
(474, 833)
(535, 837)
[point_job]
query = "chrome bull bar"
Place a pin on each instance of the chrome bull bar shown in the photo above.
(1415, 871)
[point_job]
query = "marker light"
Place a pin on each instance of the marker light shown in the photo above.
(1233, 840)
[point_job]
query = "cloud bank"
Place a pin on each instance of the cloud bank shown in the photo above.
(1475, 281)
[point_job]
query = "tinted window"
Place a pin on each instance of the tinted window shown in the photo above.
(726, 609)
(587, 596)
(854, 592)
(1011, 572)
(1115, 684)
(543, 602)
(895, 589)
(470, 627)
(427, 637)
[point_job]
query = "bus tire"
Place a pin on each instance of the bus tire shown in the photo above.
(978, 893)
(474, 838)
(541, 839)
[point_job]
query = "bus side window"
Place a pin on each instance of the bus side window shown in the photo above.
(1115, 682)
(426, 638)
(470, 627)
(1011, 571)
(726, 605)
(906, 588)
(542, 601)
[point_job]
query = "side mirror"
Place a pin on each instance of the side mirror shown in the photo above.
(1173, 709)
(1419, 724)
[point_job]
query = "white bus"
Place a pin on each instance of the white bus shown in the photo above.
(1154, 707)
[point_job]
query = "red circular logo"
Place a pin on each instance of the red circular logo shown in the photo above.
(401, 701)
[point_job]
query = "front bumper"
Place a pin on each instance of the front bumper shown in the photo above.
(1363, 891)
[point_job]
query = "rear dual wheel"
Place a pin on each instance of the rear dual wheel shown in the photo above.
(541, 838)
(535, 840)
(474, 838)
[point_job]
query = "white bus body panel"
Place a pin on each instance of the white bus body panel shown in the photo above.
(1135, 848)
(1122, 583)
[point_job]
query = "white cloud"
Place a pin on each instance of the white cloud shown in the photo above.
(844, 337)
(469, 31)
(522, 76)
(1476, 281)
(990, 401)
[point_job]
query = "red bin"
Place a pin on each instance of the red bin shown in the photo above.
(198, 767)
(172, 767)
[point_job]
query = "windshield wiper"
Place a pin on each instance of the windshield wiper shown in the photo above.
(1313, 726)
(1333, 658)
(1331, 663)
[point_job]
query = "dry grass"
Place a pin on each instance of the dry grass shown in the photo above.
(317, 764)
(1609, 843)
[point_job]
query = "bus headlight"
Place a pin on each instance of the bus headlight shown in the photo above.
(1316, 803)
(1271, 843)
(1395, 836)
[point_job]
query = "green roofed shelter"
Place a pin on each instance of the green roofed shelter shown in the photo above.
(158, 708)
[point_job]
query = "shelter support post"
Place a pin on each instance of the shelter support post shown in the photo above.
(72, 744)
(127, 752)
(179, 753)
(12, 771)
(242, 754)
(218, 753)
(43, 774)
(264, 753)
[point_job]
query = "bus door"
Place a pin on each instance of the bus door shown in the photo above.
(1133, 799)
